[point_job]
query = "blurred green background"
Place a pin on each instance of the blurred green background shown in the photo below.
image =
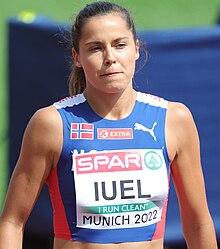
(148, 14)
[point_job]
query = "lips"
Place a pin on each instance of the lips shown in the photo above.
(110, 74)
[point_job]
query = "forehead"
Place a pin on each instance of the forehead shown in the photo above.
(105, 25)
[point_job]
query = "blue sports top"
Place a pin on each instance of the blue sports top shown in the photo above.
(112, 179)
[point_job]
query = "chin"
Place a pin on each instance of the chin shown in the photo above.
(115, 90)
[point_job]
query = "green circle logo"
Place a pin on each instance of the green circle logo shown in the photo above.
(153, 160)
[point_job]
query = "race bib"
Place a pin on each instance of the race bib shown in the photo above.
(119, 189)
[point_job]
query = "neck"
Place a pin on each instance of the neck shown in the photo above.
(112, 106)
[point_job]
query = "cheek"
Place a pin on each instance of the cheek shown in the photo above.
(90, 68)
(87, 66)
(131, 62)
(130, 58)
(92, 63)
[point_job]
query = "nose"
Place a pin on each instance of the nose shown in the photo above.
(109, 57)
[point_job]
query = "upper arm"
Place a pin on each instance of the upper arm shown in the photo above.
(184, 147)
(41, 146)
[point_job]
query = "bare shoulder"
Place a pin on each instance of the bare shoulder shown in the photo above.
(45, 124)
(180, 128)
(179, 113)
(43, 134)
(47, 116)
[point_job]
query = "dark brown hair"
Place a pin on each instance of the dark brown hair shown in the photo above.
(77, 81)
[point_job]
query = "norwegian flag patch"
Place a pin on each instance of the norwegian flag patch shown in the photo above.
(82, 131)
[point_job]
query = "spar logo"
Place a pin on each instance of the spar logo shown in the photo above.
(115, 133)
(108, 161)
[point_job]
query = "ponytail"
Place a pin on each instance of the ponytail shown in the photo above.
(77, 81)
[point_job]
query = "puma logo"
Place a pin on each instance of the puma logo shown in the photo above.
(138, 126)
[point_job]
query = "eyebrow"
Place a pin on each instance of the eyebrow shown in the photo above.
(98, 42)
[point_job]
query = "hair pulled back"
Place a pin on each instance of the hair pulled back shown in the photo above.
(77, 81)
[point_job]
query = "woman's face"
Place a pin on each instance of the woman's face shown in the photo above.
(107, 53)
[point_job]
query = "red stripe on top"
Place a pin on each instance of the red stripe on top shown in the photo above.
(74, 126)
(85, 126)
(61, 226)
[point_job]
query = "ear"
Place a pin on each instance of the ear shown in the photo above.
(137, 47)
(76, 58)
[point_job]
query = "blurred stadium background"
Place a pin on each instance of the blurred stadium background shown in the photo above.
(148, 15)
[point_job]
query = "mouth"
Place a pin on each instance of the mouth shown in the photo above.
(110, 74)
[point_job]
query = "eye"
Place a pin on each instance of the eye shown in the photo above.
(121, 45)
(95, 48)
